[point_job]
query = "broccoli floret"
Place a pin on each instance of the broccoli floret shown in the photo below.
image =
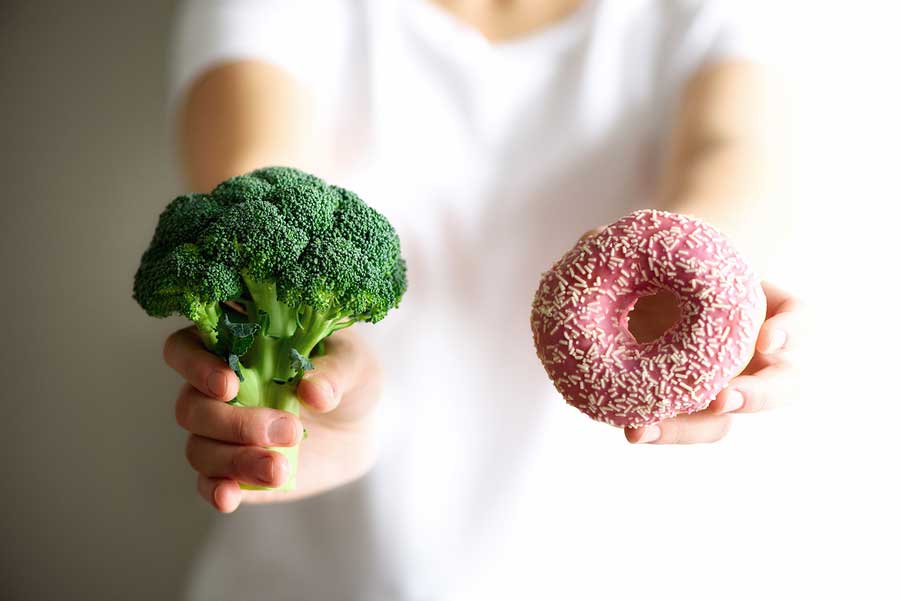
(268, 265)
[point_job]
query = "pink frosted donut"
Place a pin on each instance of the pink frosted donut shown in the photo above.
(580, 319)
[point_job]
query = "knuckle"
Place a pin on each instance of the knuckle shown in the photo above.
(177, 341)
(239, 462)
(248, 426)
(191, 452)
(239, 426)
(724, 428)
(759, 401)
(169, 345)
(789, 364)
(234, 464)
(183, 410)
(195, 372)
(673, 432)
(793, 362)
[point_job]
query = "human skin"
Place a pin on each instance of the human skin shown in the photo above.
(236, 118)
(248, 114)
(726, 165)
(499, 20)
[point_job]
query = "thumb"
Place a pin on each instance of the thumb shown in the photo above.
(346, 364)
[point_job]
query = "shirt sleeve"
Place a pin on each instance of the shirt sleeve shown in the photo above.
(700, 33)
(721, 30)
(208, 33)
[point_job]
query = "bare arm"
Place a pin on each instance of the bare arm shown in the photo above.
(727, 159)
(236, 118)
(727, 165)
(241, 116)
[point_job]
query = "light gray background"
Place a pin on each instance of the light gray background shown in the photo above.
(97, 497)
(98, 501)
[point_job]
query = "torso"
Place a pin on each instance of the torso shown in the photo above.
(491, 156)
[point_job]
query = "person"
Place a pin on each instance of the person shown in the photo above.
(492, 135)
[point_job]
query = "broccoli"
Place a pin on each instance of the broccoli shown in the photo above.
(268, 265)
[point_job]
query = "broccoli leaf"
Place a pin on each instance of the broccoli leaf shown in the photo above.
(240, 346)
(235, 337)
(299, 363)
(241, 329)
(234, 363)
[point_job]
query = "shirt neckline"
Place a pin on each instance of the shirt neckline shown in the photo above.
(549, 40)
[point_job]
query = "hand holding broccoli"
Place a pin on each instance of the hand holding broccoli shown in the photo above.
(227, 443)
(268, 266)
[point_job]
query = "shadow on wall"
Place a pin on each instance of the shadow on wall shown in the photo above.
(102, 504)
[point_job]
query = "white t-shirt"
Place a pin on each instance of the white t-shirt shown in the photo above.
(490, 160)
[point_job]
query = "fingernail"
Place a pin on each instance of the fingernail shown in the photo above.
(776, 341)
(650, 434)
(265, 468)
(281, 431)
(218, 496)
(217, 383)
(734, 400)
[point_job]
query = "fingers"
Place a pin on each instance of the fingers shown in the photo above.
(253, 465)
(784, 323)
(776, 298)
(260, 426)
(684, 429)
(779, 333)
(767, 389)
(184, 352)
(340, 370)
(222, 493)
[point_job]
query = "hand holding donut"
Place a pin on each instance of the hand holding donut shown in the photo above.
(655, 323)
(767, 382)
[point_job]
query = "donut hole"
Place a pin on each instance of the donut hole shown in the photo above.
(653, 315)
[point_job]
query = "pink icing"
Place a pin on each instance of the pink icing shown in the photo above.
(580, 315)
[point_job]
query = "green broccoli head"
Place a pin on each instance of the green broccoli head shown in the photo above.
(268, 265)
(320, 246)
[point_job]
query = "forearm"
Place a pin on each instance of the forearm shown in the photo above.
(241, 116)
(236, 118)
(727, 163)
(725, 191)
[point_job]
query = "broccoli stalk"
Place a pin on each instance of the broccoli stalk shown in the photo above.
(300, 259)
